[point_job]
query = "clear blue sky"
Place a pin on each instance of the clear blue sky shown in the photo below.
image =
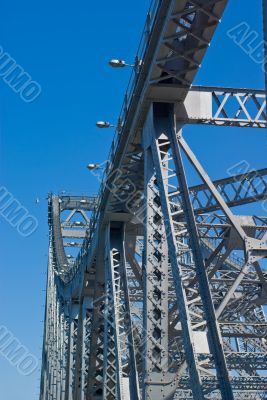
(46, 145)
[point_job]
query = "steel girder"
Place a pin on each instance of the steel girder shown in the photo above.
(72, 227)
(156, 305)
(162, 141)
(246, 187)
(75, 363)
(165, 148)
(155, 278)
(215, 105)
(237, 190)
(225, 107)
(120, 373)
(67, 321)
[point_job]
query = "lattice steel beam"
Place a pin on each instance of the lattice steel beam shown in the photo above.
(215, 105)
(236, 190)
(156, 304)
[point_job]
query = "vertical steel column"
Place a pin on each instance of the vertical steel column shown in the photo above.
(215, 339)
(53, 339)
(95, 384)
(162, 121)
(120, 372)
(78, 354)
(132, 367)
(155, 278)
(86, 331)
(113, 379)
(59, 349)
(65, 338)
(73, 326)
(81, 394)
(187, 332)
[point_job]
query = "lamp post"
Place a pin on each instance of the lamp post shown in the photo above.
(119, 64)
(104, 124)
(94, 167)
(116, 63)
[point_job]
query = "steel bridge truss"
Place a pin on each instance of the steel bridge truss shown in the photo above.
(164, 292)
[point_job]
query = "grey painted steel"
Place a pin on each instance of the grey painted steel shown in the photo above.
(167, 138)
(157, 290)
(187, 331)
(155, 277)
(215, 105)
(224, 107)
(244, 188)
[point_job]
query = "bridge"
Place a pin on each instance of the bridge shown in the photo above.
(156, 289)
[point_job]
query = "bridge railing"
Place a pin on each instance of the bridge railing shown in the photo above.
(141, 51)
(140, 54)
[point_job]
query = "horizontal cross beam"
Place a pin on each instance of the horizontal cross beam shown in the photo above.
(215, 105)
(236, 190)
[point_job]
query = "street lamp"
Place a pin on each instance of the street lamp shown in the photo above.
(104, 124)
(122, 64)
(119, 64)
(93, 167)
